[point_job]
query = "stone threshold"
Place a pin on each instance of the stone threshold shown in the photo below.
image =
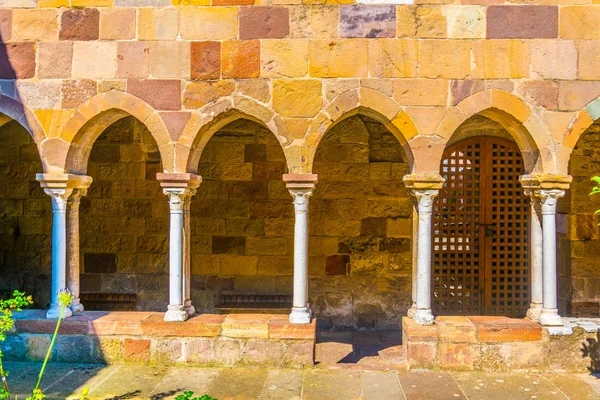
(145, 338)
(491, 343)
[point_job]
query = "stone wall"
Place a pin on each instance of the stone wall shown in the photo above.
(579, 246)
(25, 217)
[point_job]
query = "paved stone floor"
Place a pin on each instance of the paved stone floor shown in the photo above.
(64, 381)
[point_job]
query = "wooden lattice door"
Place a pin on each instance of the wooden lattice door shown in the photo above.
(481, 255)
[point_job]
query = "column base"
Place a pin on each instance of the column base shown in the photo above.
(411, 311)
(423, 316)
(189, 308)
(175, 314)
(534, 312)
(550, 317)
(54, 312)
(300, 315)
(76, 306)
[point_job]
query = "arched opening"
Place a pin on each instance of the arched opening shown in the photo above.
(578, 236)
(480, 233)
(25, 217)
(124, 223)
(360, 228)
(242, 223)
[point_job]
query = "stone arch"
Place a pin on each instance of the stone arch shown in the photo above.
(580, 123)
(363, 101)
(94, 116)
(205, 122)
(515, 115)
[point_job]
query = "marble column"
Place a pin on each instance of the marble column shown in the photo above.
(549, 199)
(59, 248)
(187, 272)
(301, 188)
(536, 243)
(73, 262)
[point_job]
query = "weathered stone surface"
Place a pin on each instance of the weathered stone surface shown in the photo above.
(466, 21)
(215, 23)
(197, 94)
(367, 21)
(161, 94)
(429, 23)
(421, 92)
(80, 24)
(169, 59)
(284, 58)
(133, 60)
(76, 92)
(5, 25)
(392, 58)
(263, 22)
(34, 24)
(205, 60)
(297, 98)
(17, 60)
(461, 89)
(589, 59)
(579, 22)
(523, 21)
(444, 59)
(263, 352)
(495, 59)
(575, 95)
(542, 93)
(94, 60)
(240, 59)
(158, 24)
(117, 23)
(54, 60)
(257, 89)
(554, 60)
(342, 58)
(502, 329)
(227, 351)
(319, 22)
(43, 95)
(246, 326)
(136, 350)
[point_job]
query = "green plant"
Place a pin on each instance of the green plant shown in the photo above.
(596, 189)
(188, 396)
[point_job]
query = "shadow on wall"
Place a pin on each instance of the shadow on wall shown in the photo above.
(591, 349)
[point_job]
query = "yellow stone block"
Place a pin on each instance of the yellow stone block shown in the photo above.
(53, 3)
(579, 22)
(317, 2)
(554, 59)
(298, 126)
(505, 101)
(92, 3)
(190, 2)
(444, 59)
(53, 120)
(316, 22)
(338, 59)
(117, 23)
(284, 58)
(208, 23)
(421, 92)
(466, 21)
(197, 94)
(500, 59)
(406, 21)
(35, 24)
(589, 59)
(297, 98)
(158, 23)
(393, 58)
(170, 59)
(430, 22)
(383, 104)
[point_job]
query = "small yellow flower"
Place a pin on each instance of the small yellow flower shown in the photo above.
(65, 297)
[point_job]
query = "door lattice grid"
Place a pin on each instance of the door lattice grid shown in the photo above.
(480, 261)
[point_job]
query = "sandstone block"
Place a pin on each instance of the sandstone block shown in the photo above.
(198, 94)
(157, 23)
(133, 59)
(34, 24)
(205, 60)
(198, 351)
(421, 355)
(456, 329)
(367, 21)
(461, 89)
(166, 351)
(297, 98)
(54, 60)
(522, 22)
(76, 92)
(191, 2)
(232, 3)
(413, 332)
(299, 354)
(393, 58)
(246, 326)
(554, 60)
(318, 22)
(240, 59)
(575, 95)
(136, 350)
(94, 60)
(541, 93)
(107, 350)
(80, 24)
(444, 59)
(263, 352)
(227, 352)
(284, 58)
(73, 348)
(5, 25)
(264, 22)
(40, 95)
(456, 355)
(266, 246)
(169, 59)
(255, 88)
(338, 59)
(37, 347)
(91, 3)
(577, 22)
(494, 59)
(466, 21)
(589, 59)
(162, 94)
(406, 21)
(117, 23)
(421, 92)
(503, 329)
(17, 60)
(215, 23)
(430, 22)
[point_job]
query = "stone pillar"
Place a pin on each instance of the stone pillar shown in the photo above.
(424, 187)
(73, 262)
(300, 187)
(179, 188)
(535, 244)
(549, 199)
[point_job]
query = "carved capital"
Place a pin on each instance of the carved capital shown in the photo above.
(179, 198)
(59, 198)
(301, 198)
(425, 199)
(549, 199)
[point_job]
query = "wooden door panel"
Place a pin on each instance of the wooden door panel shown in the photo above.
(480, 255)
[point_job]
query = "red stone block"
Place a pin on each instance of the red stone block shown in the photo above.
(281, 328)
(76, 92)
(421, 355)
(119, 323)
(17, 60)
(175, 122)
(241, 59)
(264, 22)
(456, 355)
(522, 22)
(456, 330)
(80, 24)
(205, 60)
(411, 331)
(162, 94)
(5, 25)
(200, 326)
(503, 329)
(77, 325)
(136, 350)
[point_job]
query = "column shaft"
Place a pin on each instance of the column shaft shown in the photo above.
(536, 241)
(175, 311)
(301, 313)
(73, 262)
(187, 273)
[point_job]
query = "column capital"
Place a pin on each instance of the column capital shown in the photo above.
(424, 181)
(545, 181)
(549, 199)
(300, 181)
(66, 181)
(178, 180)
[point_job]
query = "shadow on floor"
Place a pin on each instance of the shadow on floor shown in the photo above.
(357, 347)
